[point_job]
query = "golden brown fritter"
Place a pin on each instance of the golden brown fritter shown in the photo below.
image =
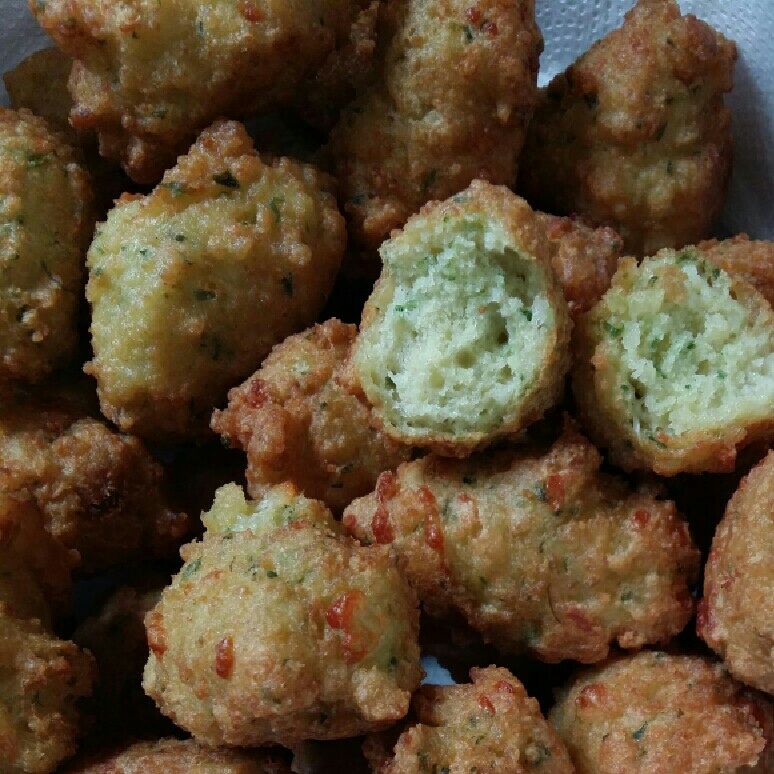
(41, 680)
(192, 285)
(150, 74)
(658, 714)
(540, 551)
(99, 490)
(46, 222)
(455, 90)
(635, 134)
(490, 726)
(674, 367)
(181, 756)
(297, 423)
(278, 628)
(584, 259)
(736, 616)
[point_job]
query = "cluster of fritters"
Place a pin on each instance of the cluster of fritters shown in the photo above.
(545, 445)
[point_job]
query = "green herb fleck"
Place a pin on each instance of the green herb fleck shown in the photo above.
(722, 374)
(175, 188)
(191, 569)
(287, 285)
(468, 479)
(468, 30)
(640, 732)
(226, 179)
(612, 329)
(37, 159)
(541, 492)
(274, 205)
(271, 574)
(200, 294)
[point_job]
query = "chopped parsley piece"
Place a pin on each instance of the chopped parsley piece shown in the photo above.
(541, 492)
(640, 732)
(612, 329)
(226, 179)
(200, 294)
(175, 188)
(271, 574)
(274, 206)
(468, 479)
(191, 569)
(527, 313)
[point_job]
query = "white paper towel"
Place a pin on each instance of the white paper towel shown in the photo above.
(569, 28)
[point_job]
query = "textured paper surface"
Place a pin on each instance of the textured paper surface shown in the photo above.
(569, 28)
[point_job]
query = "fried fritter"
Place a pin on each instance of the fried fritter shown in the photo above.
(278, 628)
(150, 74)
(635, 134)
(490, 726)
(176, 756)
(674, 367)
(191, 285)
(454, 93)
(99, 491)
(298, 424)
(540, 551)
(46, 222)
(465, 337)
(41, 680)
(658, 714)
(736, 616)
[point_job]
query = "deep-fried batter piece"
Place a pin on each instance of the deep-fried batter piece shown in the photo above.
(635, 134)
(736, 616)
(46, 222)
(150, 74)
(654, 713)
(584, 259)
(278, 628)
(674, 367)
(192, 285)
(454, 93)
(99, 490)
(490, 726)
(298, 424)
(541, 552)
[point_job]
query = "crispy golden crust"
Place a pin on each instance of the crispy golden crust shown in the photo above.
(522, 233)
(45, 227)
(539, 551)
(41, 680)
(176, 756)
(584, 259)
(750, 259)
(456, 88)
(99, 491)
(285, 633)
(635, 134)
(297, 423)
(150, 75)
(191, 285)
(736, 616)
(613, 399)
(490, 726)
(661, 714)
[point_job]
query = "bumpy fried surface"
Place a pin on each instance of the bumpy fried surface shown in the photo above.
(41, 680)
(45, 225)
(454, 93)
(674, 367)
(191, 285)
(99, 490)
(584, 259)
(465, 337)
(635, 134)
(279, 629)
(490, 726)
(736, 616)
(297, 423)
(175, 756)
(539, 551)
(150, 75)
(662, 714)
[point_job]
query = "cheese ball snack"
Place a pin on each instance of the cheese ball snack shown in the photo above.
(490, 726)
(660, 713)
(635, 134)
(465, 337)
(191, 285)
(297, 423)
(675, 365)
(149, 76)
(539, 551)
(279, 629)
(736, 616)
(46, 222)
(454, 91)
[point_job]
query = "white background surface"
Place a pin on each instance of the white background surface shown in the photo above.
(569, 28)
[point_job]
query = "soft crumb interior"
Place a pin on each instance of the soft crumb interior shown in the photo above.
(686, 353)
(464, 333)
